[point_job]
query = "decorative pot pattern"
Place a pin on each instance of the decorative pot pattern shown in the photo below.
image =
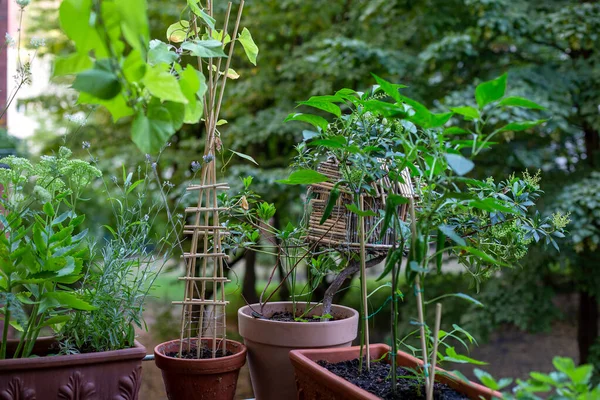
(110, 375)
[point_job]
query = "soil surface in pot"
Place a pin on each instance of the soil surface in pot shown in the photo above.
(205, 352)
(376, 381)
(286, 316)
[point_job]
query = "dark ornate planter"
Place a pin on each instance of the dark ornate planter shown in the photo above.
(110, 375)
(316, 382)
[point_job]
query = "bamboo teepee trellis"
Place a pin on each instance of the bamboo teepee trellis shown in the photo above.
(202, 316)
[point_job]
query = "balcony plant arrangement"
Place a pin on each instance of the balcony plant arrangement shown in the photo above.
(483, 224)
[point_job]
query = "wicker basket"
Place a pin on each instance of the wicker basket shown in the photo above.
(340, 230)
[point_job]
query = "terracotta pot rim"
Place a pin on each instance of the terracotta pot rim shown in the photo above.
(236, 355)
(241, 314)
(137, 352)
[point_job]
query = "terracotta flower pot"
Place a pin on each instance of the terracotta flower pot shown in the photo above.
(269, 344)
(202, 379)
(114, 375)
(316, 382)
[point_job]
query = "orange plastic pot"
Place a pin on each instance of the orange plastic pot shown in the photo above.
(201, 379)
(316, 382)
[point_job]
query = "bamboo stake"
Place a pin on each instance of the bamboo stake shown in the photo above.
(363, 272)
(422, 330)
(438, 320)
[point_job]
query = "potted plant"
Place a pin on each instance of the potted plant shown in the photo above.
(483, 224)
(203, 363)
(57, 281)
(337, 164)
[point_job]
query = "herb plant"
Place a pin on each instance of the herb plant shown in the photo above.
(124, 265)
(42, 255)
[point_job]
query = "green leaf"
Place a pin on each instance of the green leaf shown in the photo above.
(178, 32)
(204, 48)
(582, 374)
(425, 118)
(389, 88)
(521, 126)
(450, 233)
(482, 255)
(49, 210)
(160, 53)
(563, 364)
(151, 132)
(63, 300)
(304, 177)
(134, 67)
(72, 64)
(314, 120)
(469, 113)
(453, 356)
(490, 91)
(331, 142)
(455, 130)
(189, 82)
(244, 156)
(207, 19)
(162, 84)
(117, 106)
(250, 48)
(334, 195)
(364, 213)
(57, 319)
(99, 83)
(75, 16)
(394, 257)
(491, 204)
(134, 23)
(486, 379)
(459, 164)
(326, 106)
(516, 101)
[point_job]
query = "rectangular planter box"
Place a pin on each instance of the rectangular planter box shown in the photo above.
(316, 382)
(110, 375)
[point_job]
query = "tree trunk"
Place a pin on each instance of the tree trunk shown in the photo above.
(587, 327)
(249, 285)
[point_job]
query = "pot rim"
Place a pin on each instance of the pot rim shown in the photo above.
(241, 353)
(138, 352)
(242, 314)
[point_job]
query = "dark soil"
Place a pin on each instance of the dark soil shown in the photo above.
(377, 381)
(286, 316)
(204, 353)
